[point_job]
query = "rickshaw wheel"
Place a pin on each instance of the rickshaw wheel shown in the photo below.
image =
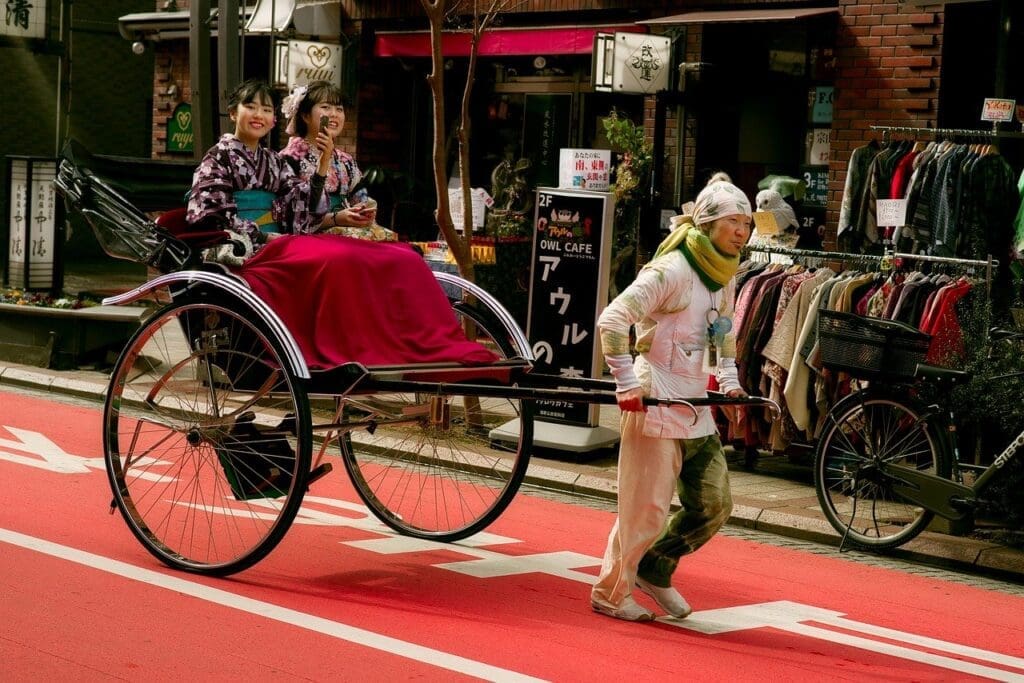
(430, 465)
(207, 437)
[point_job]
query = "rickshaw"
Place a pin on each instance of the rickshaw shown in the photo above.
(214, 427)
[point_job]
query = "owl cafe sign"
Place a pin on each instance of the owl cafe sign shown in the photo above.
(302, 61)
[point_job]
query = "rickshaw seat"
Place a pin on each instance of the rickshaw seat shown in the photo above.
(174, 222)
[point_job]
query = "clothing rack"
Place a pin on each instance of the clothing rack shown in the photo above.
(955, 132)
(989, 264)
(811, 253)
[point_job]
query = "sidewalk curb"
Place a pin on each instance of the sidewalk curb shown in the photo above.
(41, 381)
(930, 548)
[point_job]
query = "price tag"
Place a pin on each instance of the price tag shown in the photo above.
(765, 223)
(996, 109)
(891, 213)
(819, 147)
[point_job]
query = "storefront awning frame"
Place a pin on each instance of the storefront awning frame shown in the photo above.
(740, 15)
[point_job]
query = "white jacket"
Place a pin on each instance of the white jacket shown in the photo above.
(669, 304)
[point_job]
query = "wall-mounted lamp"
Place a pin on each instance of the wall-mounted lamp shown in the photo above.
(138, 47)
(172, 91)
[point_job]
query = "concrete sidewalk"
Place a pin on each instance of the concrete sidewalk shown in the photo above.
(777, 496)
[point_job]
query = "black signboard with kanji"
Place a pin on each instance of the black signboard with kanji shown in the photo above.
(816, 178)
(568, 289)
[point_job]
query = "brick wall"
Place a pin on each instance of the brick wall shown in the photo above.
(171, 69)
(888, 58)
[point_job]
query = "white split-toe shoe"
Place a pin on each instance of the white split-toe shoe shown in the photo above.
(668, 598)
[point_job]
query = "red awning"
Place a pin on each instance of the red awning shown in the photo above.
(549, 40)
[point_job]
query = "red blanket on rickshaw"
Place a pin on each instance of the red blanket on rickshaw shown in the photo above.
(345, 299)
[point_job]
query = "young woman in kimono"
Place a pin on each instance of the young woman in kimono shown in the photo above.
(681, 304)
(243, 186)
(306, 108)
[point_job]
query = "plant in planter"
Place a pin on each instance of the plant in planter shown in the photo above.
(21, 297)
(62, 331)
(632, 170)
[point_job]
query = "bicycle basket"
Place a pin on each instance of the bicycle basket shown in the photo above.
(870, 347)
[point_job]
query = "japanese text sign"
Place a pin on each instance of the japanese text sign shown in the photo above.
(765, 223)
(819, 145)
(641, 63)
(32, 202)
(24, 19)
(568, 289)
(584, 169)
(996, 109)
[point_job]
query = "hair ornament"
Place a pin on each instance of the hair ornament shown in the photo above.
(291, 103)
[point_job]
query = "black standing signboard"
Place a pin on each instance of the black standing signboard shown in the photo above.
(568, 289)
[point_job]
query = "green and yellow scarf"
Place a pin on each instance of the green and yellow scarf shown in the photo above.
(714, 268)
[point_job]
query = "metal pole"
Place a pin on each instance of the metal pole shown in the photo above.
(199, 76)
(228, 29)
(64, 25)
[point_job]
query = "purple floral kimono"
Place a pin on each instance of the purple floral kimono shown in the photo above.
(343, 173)
(230, 167)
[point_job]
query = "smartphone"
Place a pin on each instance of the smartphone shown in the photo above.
(324, 122)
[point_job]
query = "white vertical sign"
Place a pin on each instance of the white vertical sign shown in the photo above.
(24, 19)
(32, 223)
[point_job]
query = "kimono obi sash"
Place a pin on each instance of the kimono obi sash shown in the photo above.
(254, 205)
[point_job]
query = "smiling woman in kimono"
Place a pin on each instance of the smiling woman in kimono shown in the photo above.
(243, 186)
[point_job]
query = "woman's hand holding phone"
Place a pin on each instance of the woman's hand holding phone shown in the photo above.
(325, 143)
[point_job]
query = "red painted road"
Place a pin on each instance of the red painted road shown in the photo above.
(80, 599)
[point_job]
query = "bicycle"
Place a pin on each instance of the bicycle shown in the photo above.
(886, 461)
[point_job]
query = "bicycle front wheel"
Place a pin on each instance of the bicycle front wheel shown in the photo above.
(864, 431)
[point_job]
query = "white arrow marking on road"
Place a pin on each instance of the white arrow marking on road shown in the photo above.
(50, 456)
(389, 543)
(555, 564)
(788, 616)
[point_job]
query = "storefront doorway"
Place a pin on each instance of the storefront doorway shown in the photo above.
(762, 103)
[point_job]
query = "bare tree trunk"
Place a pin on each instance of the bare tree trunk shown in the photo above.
(463, 136)
(436, 11)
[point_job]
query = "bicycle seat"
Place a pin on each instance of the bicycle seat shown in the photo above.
(935, 373)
